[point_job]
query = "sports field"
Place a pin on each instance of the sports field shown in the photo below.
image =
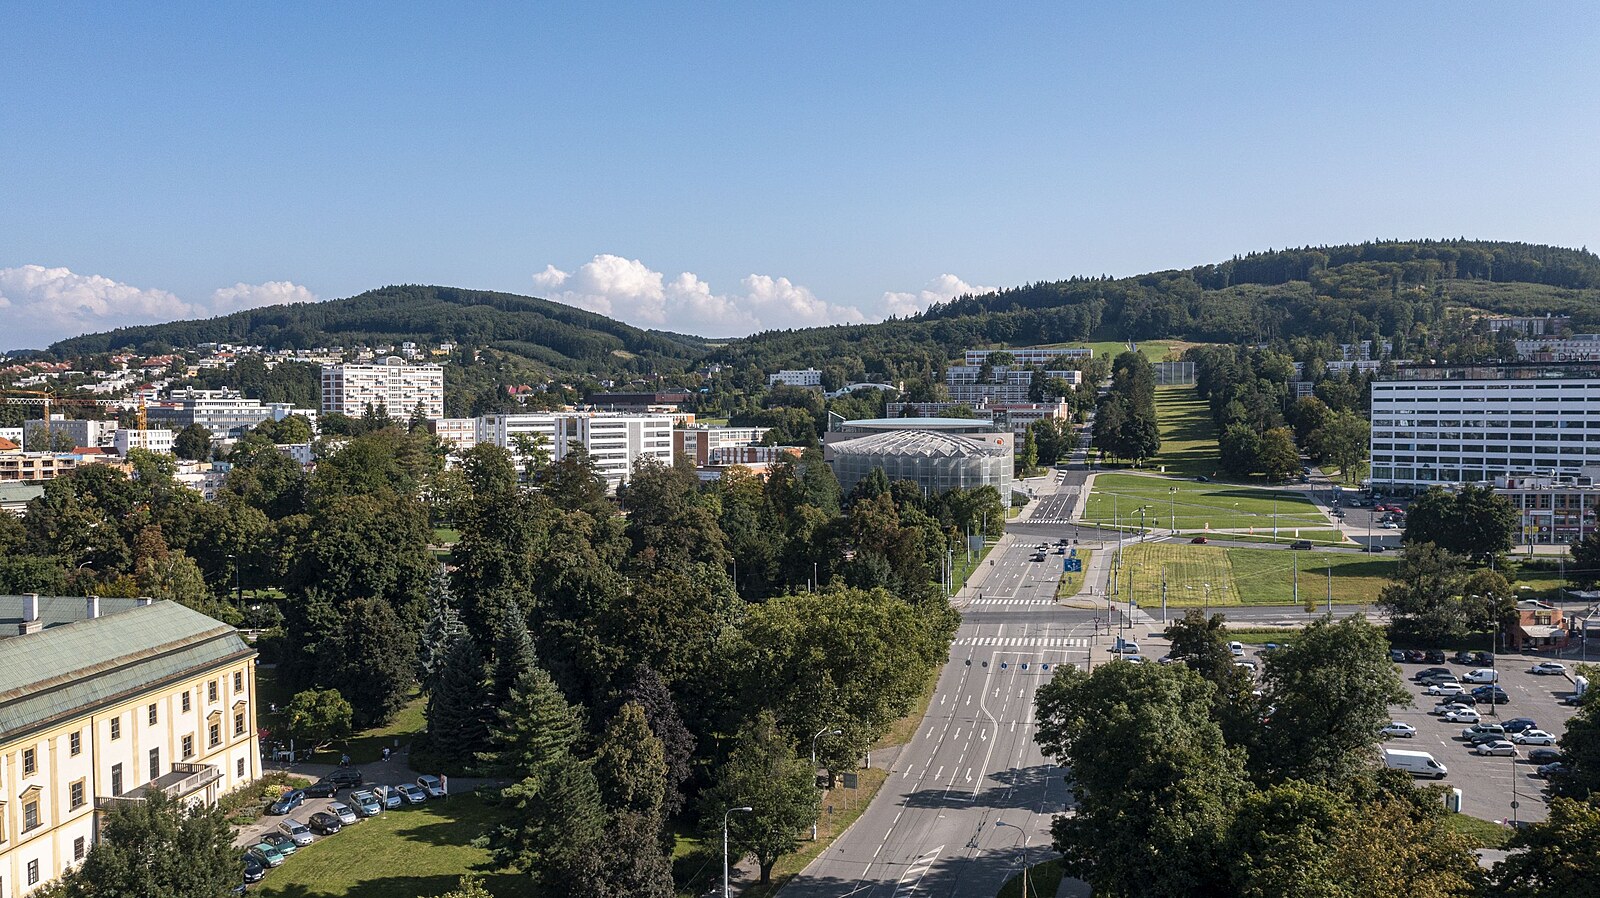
(1246, 576)
(1198, 506)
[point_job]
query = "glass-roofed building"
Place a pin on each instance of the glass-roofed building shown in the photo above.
(937, 454)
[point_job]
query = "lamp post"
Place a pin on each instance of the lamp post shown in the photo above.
(1000, 823)
(820, 733)
(1172, 506)
(726, 893)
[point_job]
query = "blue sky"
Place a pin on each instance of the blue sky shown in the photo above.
(719, 168)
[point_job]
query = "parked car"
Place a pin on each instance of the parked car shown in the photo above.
(1518, 724)
(1436, 679)
(1398, 729)
(1498, 747)
(267, 853)
(1463, 698)
(1549, 668)
(1493, 729)
(1491, 694)
(286, 845)
(1461, 657)
(1423, 674)
(412, 793)
(1483, 659)
(1389, 525)
(390, 798)
(1300, 544)
(1554, 768)
(297, 832)
(346, 777)
(1481, 738)
(1236, 649)
(1434, 656)
(1444, 688)
(1462, 715)
(1452, 703)
(366, 803)
(1534, 737)
(434, 786)
(254, 868)
(324, 788)
(324, 824)
(1482, 675)
(1202, 479)
(1397, 656)
(1544, 755)
(343, 812)
(292, 799)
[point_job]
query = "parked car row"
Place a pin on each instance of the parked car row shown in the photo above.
(363, 801)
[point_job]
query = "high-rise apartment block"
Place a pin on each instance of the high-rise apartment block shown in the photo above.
(393, 385)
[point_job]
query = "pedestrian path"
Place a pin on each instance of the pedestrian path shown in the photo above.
(1011, 602)
(1036, 642)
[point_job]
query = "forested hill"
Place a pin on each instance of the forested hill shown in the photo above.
(566, 339)
(1400, 291)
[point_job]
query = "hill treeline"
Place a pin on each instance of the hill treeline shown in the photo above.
(564, 338)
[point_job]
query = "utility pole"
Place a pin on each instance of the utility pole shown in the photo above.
(1330, 587)
(1163, 597)
(1296, 575)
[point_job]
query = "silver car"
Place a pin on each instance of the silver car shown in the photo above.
(1497, 747)
(297, 831)
(343, 812)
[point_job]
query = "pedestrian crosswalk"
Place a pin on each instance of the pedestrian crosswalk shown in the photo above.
(1012, 602)
(1036, 642)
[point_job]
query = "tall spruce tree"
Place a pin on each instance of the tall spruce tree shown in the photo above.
(444, 623)
(630, 764)
(513, 653)
(534, 730)
(457, 712)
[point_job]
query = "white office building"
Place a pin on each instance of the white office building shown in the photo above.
(614, 442)
(460, 433)
(1028, 356)
(808, 377)
(1435, 426)
(1576, 348)
(154, 440)
(226, 413)
(393, 385)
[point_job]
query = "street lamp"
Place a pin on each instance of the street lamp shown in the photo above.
(726, 893)
(1172, 506)
(1000, 823)
(820, 733)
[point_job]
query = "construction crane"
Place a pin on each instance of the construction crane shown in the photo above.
(47, 401)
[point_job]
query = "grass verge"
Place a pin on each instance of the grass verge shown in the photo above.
(1262, 635)
(1118, 497)
(404, 853)
(1072, 582)
(1481, 833)
(1043, 882)
(364, 747)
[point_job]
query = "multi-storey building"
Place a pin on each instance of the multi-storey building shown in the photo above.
(808, 377)
(698, 442)
(505, 431)
(460, 433)
(81, 432)
(226, 413)
(393, 385)
(1453, 424)
(35, 466)
(1552, 510)
(1028, 356)
(109, 700)
(1576, 348)
(1006, 374)
(614, 442)
(155, 440)
(1532, 326)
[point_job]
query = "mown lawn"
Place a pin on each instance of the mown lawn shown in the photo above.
(406, 853)
(1188, 436)
(1239, 576)
(363, 747)
(1197, 506)
(1071, 583)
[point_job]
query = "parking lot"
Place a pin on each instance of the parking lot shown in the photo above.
(1489, 784)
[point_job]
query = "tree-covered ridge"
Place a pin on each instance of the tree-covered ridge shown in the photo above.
(1402, 291)
(562, 337)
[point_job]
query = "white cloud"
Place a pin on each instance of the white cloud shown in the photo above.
(250, 296)
(48, 304)
(943, 288)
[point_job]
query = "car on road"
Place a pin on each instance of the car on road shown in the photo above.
(343, 812)
(1199, 541)
(412, 793)
(1375, 549)
(1037, 556)
(286, 845)
(434, 786)
(1499, 747)
(346, 777)
(1554, 768)
(297, 832)
(1445, 688)
(366, 803)
(1462, 715)
(1534, 737)
(1426, 672)
(1300, 544)
(1518, 724)
(324, 824)
(1544, 755)
(1548, 668)
(287, 803)
(254, 868)
(1398, 729)
(267, 853)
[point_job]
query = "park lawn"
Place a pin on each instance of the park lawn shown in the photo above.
(1286, 535)
(1188, 436)
(1481, 833)
(422, 850)
(446, 536)
(1154, 350)
(1070, 583)
(1196, 506)
(364, 747)
(1043, 881)
(1239, 576)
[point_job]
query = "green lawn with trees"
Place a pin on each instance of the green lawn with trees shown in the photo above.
(1188, 438)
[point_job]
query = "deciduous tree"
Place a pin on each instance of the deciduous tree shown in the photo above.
(762, 773)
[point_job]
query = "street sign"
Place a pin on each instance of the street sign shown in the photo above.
(851, 780)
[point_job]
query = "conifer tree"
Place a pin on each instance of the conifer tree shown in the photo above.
(444, 623)
(534, 731)
(513, 653)
(457, 713)
(630, 765)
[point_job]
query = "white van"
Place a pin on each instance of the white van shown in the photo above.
(1482, 675)
(1416, 763)
(1236, 649)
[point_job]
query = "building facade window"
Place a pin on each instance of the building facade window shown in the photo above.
(238, 681)
(185, 699)
(188, 747)
(155, 762)
(116, 779)
(240, 767)
(30, 815)
(75, 795)
(75, 744)
(79, 848)
(214, 734)
(238, 724)
(150, 715)
(116, 728)
(33, 872)
(211, 691)
(30, 762)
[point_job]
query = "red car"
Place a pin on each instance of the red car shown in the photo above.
(1199, 540)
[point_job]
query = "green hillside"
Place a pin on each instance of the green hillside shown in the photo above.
(562, 338)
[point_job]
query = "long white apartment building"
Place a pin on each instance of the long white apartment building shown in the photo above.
(614, 441)
(1469, 425)
(803, 377)
(1575, 348)
(393, 384)
(1027, 356)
